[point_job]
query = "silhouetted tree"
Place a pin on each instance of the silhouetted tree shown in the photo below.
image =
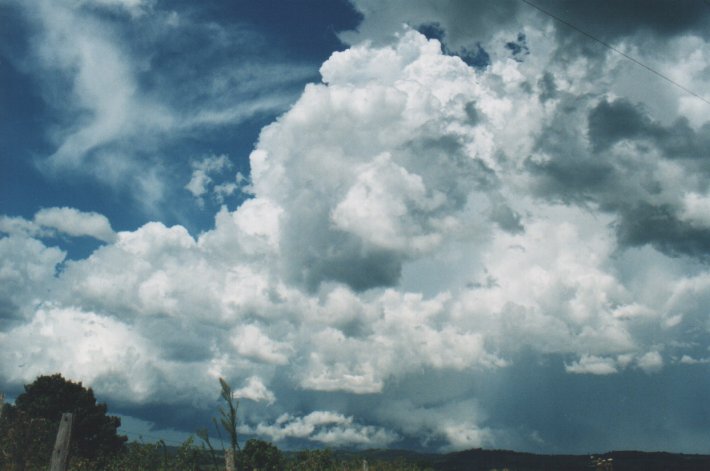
(313, 460)
(261, 455)
(94, 433)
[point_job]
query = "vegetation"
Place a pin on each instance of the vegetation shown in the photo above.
(25, 441)
(262, 455)
(229, 419)
(27, 429)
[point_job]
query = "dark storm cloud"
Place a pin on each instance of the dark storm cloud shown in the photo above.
(611, 122)
(464, 27)
(643, 223)
(680, 141)
(473, 55)
(548, 88)
(438, 158)
(571, 180)
(533, 405)
(572, 173)
(612, 19)
(557, 412)
(626, 181)
(519, 47)
(340, 257)
(192, 417)
(506, 218)
(9, 315)
(182, 344)
(588, 28)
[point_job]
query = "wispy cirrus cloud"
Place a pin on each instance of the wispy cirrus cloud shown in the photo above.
(123, 100)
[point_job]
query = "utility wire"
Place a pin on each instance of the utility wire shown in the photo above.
(635, 61)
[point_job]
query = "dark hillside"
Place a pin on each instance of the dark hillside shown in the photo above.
(474, 460)
(487, 460)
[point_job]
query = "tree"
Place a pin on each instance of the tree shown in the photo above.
(262, 456)
(94, 433)
(25, 442)
(313, 460)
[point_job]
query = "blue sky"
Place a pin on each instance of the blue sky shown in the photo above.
(171, 66)
(431, 225)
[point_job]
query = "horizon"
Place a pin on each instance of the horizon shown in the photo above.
(419, 225)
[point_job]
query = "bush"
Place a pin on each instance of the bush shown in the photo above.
(262, 456)
(25, 442)
(28, 429)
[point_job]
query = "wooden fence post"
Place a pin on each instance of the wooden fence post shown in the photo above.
(61, 445)
(229, 459)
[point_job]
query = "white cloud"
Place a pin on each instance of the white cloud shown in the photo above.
(390, 236)
(47, 222)
(688, 360)
(590, 364)
(374, 186)
(252, 343)
(19, 226)
(255, 391)
(377, 205)
(82, 345)
(76, 223)
(203, 172)
(457, 422)
(328, 428)
(696, 210)
(27, 275)
(464, 22)
(651, 362)
(203, 180)
(102, 77)
(133, 7)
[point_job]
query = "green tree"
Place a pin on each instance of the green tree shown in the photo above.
(94, 433)
(313, 460)
(262, 456)
(25, 442)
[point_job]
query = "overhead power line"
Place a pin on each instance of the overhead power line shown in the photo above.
(632, 59)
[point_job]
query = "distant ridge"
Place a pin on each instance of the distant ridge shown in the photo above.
(475, 460)
(487, 460)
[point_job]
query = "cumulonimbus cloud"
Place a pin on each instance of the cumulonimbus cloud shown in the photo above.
(411, 215)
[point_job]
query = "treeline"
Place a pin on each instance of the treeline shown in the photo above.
(191, 457)
(29, 427)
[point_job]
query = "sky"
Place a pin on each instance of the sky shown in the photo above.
(433, 225)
